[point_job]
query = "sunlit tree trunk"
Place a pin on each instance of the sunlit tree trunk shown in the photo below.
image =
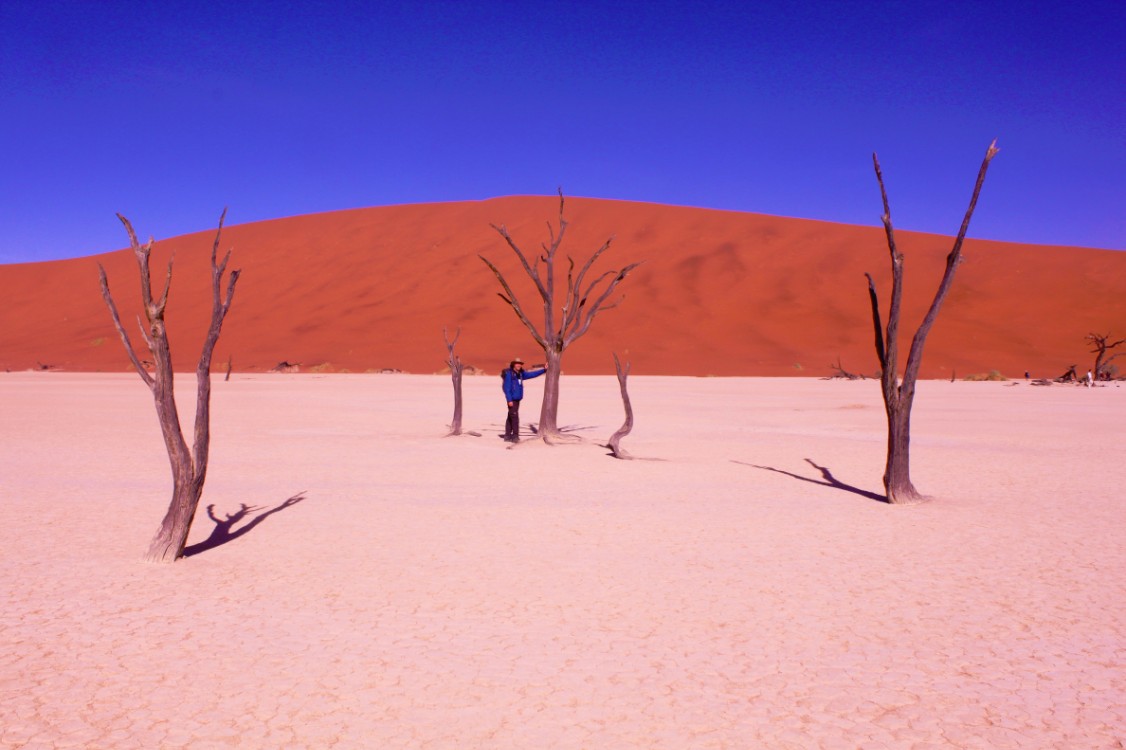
(456, 368)
(189, 467)
(549, 409)
(899, 395)
(615, 440)
(897, 472)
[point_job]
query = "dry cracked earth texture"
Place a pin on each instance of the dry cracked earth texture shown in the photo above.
(736, 587)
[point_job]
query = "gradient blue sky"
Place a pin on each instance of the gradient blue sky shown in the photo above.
(168, 111)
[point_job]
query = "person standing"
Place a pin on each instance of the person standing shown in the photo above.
(512, 382)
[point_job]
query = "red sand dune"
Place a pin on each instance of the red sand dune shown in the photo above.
(719, 293)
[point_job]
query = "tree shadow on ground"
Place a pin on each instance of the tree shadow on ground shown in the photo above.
(629, 456)
(569, 429)
(532, 429)
(827, 480)
(225, 530)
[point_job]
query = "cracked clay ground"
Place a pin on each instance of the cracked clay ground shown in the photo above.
(429, 592)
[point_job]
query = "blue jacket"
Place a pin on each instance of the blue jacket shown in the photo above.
(512, 382)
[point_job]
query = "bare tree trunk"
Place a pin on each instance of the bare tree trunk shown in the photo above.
(189, 468)
(627, 426)
(897, 472)
(899, 396)
(456, 367)
(562, 326)
(229, 364)
(455, 422)
(548, 428)
(167, 543)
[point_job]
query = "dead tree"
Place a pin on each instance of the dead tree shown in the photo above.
(563, 326)
(1070, 376)
(1103, 344)
(899, 395)
(627, 426)
(455, 366)
(842, 373)
(189, 469)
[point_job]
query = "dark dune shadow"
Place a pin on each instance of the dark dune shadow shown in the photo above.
(225, 530)
(827, 480)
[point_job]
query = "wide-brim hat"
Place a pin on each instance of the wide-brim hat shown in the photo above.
(517, 361)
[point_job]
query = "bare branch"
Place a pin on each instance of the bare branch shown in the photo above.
(576, 290)
(450, 344)
(573, 308)
(142, 253)
(533, 272)
(160, 304)
(915, 357)
(215, 245)
(588, 314)
(220, 305)
(1102, 342)
(590, 262)
(121, 329)
(876, 321)
(891, 338)
(514, 303)
(150, 342)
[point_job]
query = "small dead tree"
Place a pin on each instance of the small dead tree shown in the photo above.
(563, 326)
(189, 468)
(1102, 345)
(1071, 376)
(456, 368)
(842, 373)
(627, 426)
(899, 395)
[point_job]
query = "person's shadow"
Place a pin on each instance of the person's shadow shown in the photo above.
(225, 530)
(827, 480)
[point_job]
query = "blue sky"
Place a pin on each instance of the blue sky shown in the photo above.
(168, 111)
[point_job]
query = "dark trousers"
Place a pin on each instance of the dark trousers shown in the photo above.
(512, 424)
